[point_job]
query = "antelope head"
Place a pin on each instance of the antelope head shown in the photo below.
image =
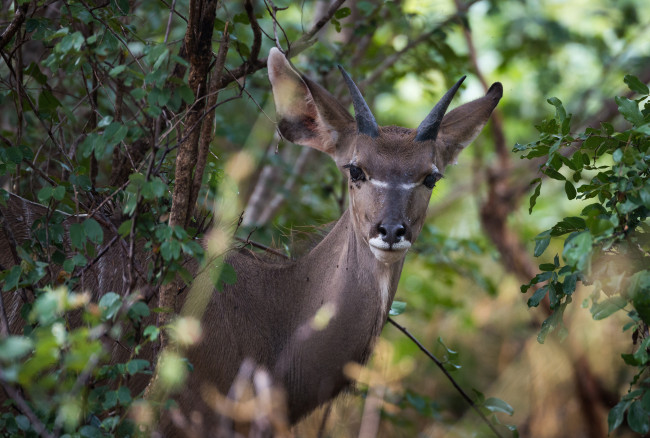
(391, 170)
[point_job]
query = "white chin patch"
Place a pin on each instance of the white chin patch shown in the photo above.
(387, 254)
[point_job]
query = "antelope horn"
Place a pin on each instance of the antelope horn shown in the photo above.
(428, 129)
(366, 123)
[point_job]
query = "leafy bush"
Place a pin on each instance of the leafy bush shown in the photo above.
(66, 380)
(607, 246)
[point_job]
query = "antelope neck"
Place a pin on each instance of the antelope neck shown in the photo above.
(344, 260)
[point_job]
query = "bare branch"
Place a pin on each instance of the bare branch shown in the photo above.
(257, 32)
(306, 40)
(446, 373)
(18, 20)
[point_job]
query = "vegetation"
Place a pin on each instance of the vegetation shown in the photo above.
(133, 113)
(607, 245)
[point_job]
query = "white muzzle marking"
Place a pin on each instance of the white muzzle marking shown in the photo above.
(386, 253)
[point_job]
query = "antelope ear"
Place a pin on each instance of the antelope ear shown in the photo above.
(307, 113)
(462, 125)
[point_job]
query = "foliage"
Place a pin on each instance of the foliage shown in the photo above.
(66, 373)
(607, 246)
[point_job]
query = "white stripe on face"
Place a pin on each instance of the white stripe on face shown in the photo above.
(384, 184)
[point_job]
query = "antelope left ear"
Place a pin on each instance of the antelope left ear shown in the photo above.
(307, 114)
(462, 125)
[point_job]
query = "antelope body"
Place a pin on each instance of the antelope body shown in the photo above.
(270, 314)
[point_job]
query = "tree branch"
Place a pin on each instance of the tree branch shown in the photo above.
(18, 20)
(446, 373)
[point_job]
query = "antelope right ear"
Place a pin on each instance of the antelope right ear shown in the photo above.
(462, 125)
(307, 113)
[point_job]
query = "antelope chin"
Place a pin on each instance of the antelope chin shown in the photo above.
(387, 253)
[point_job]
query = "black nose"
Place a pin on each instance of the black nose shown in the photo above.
(391, 233)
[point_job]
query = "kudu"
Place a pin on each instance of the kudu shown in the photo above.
(351, 275)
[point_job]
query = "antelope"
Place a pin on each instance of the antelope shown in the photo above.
(268, 316)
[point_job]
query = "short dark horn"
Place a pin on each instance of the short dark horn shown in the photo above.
(428, 129)
(366, 123)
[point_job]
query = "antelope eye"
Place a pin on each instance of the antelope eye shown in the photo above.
(431, 180)
(356, 174)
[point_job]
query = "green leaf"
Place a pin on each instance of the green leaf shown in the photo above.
(568, 225)
(397, 308)
(645, 401)
(151, 332)
(15, 347)
(138, 310)
(603, 309)
(45, 194)
(109, 305)
(228, 275)
(93, 231)
(535, 195)
(570, 190)
(123, 395)
(77, 235)
(542, 240)
(636, 85)
(47, 103)
(560, 112)
(12, 278)
(616, 415)
(538, 296)
(113, 134)
(336, 23)
(34, 71)
(552, 173)
(577, 249)
(551, 323)
(638, 290)
(58, 193)
(115, 71)
(638, 419)
(91, 432)
(342, 13)
(449, 351)
(629, 359)
(139, 93)
(630, 110)
(135, 366)
(110, 400)
(569, 285)
(494, 404)
(185, 93)
(547, 267)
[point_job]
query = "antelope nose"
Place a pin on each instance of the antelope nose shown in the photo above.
(391, 233)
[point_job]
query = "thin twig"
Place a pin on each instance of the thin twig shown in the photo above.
(446, 373)
(99, 255)
(306, 39)
(261, 246)
(302, 43)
